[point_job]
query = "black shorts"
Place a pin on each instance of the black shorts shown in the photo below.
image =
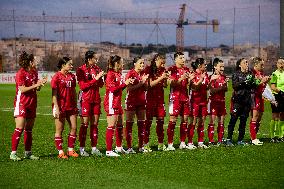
(280, 104)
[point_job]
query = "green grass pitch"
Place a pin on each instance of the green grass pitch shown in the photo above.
(217, 167)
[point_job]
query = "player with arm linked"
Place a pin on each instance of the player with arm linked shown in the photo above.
(90, 80)
(25, 104)
(64, 108)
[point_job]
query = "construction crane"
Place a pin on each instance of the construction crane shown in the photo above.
(180, 22)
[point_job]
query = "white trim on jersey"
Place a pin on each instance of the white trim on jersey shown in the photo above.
(17, 107)
(110, 100)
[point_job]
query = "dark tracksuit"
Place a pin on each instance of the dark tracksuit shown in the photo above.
(241, 102)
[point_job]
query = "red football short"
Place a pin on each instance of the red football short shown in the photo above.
(113, 111)
(155, 110)
(217, 108)
(258, 103)
(199, 109)
(181, 108)
(28, 111)
(87, 109)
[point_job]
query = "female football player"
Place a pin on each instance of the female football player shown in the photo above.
(63, 85)
(25, 104)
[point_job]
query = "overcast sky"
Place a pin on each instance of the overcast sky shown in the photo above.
(246, 20)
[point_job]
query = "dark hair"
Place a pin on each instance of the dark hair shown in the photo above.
(112, 60)
(24, 60)
(136, 59)
(217, 61)
(197, 63)
(153, 66)
(256, 60)
(238, 64)
(62, 61)
(178, 54)
(89, 55)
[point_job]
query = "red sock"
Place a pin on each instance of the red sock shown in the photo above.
(257, 127)
(220, 131)
(58, 143)
(83, 134)
(128, 133)
(183, 131)
(171, 131)
(16, 138)
(200, 132)
(119, 135)
(71, 141)
(253, 130)
(190, 133)
(109, 137)
(210, 132)
(160, 130)
(141, 129)
(28, 140)
(148, 124)
(94, 135)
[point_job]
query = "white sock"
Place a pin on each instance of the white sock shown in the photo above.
(82, 149)
(170, 145)
(28, 152)
(13, 152)
(70, 149)
(199, 143)
(182, 143)
(94, 148)
(60, 151)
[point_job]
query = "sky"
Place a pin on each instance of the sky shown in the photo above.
(246, 20)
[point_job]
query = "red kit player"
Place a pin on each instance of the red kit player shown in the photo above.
(199, 86)
(217, 104)
(112, 105)
(155, 105)
(178, 100)
(135, 103)
(257, 100)
(63, 85)
(90, 80)
(25, 104)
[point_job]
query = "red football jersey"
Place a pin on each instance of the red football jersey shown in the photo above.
(155, 94)
(114, 87)
(66, 92)
(260, 88)
(178, 91)
(88, 84)
(200, 95)
(219, 82)
(27, 79)
(137, 96)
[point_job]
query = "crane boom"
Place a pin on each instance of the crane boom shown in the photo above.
(180, 22)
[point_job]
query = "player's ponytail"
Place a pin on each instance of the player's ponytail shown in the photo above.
(111, 62)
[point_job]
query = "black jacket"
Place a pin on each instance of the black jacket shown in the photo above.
(243, 85)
